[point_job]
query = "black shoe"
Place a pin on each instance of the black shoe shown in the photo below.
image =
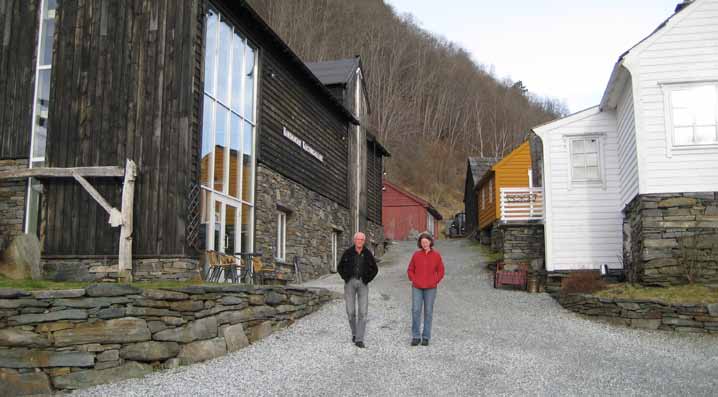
(415, 342)
(425, 342)
(360, 344)
(354, 339)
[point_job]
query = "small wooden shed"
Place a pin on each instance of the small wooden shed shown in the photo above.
(405, 214)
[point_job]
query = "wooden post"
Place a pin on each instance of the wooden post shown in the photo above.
(128, 195)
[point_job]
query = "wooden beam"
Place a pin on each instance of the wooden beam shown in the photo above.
(128, 196)
(46, 172)
(115, 216)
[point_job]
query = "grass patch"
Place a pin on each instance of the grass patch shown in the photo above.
(55, 285)
(489, 255)
(692, 293)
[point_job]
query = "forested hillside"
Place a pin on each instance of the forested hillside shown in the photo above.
(432, 106)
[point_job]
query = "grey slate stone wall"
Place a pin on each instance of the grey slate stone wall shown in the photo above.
(105, 269)
(375, 236)
(71, 339)
(311, 220)
(671, 239)
(523, 243)
(12, 203)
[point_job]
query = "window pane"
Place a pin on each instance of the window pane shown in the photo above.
(230, 230)
(210, 50)
(577, 146)
(225, 44)
(235, 146)
(219, 147)
(591, 146)
(591, 172)
(237, 59)
(248, 162)
(705, 135)
(579, 173)
(206, 140)
(249, 83)
(41, 113)
(217, 226)
(592, 159)
(682, 117)
(48, 32)
(578, 160)
(246, 231)
(683, 136)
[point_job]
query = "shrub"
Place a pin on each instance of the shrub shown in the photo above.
(586, 282)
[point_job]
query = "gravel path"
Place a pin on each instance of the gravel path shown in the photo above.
(485, 342)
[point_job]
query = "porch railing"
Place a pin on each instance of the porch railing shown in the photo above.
(521, 204)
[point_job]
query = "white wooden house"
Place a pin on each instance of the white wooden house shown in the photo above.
(611, 171)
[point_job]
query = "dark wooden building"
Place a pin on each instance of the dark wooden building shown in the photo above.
(240, 147)
(345, 80)
(475, 168)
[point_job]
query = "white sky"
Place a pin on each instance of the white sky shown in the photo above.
(561, 48)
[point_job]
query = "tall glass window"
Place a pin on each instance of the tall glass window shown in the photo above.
(228, 136)
(40, 111)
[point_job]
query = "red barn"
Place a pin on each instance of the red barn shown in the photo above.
(405, 215)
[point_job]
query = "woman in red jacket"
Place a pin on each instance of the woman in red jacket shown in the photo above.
(425, 271)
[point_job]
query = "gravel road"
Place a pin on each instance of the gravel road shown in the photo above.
(484, 342)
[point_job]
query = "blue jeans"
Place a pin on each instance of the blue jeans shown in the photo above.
(422, 297)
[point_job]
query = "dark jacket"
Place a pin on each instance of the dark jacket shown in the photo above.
(368, 270)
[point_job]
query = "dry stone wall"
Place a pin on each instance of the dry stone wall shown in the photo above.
(71, 339)
(671, 239)
(12, 203)
(686, 318)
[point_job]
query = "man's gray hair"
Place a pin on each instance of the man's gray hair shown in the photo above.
(357, 234)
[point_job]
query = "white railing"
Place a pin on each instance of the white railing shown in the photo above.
(521, 204)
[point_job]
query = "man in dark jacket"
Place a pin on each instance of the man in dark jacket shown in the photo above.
(357, 268)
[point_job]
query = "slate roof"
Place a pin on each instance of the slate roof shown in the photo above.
(480, 165)
(334, 72)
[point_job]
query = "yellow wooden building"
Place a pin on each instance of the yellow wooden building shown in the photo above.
(508, 179)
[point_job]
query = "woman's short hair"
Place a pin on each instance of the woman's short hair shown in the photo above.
(426, 236)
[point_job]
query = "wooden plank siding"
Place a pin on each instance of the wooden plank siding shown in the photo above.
(124, 85)
(19, 22)
(511, 171)
(374, 183)
(288, 98)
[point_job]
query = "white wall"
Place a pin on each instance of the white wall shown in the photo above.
(583, 225)
(685, 50)
(628, 160)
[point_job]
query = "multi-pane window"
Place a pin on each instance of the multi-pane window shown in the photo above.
(694, 114)
(40, 110)
(228, 135)
(585, 157)
(281, 243)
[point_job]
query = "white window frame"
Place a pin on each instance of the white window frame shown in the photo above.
(483, 198)
(223, 197)
(601, 180)
(429, 223)
(668, 89)
(281, 242)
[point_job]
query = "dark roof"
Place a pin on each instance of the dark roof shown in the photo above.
(479, 166)
(371, 138)
(339, 71)
(263, 27)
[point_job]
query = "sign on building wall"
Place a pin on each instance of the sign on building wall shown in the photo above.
(302, 144)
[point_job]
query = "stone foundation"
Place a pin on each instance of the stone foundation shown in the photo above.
(671, 239)
(105, 269)
(311, 220)
(71, 339)
(523, 243)
(687, 318)
(496, 236)
(375, 237)
(12, 203)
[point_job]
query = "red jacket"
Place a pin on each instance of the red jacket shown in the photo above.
(426, 269)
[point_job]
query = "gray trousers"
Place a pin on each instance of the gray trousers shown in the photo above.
(356, 293)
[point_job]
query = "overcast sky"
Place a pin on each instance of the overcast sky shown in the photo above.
(561, 48)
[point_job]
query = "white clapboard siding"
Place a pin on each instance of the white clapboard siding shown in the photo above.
(685, 50)
(628, 160)
(583, 223)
